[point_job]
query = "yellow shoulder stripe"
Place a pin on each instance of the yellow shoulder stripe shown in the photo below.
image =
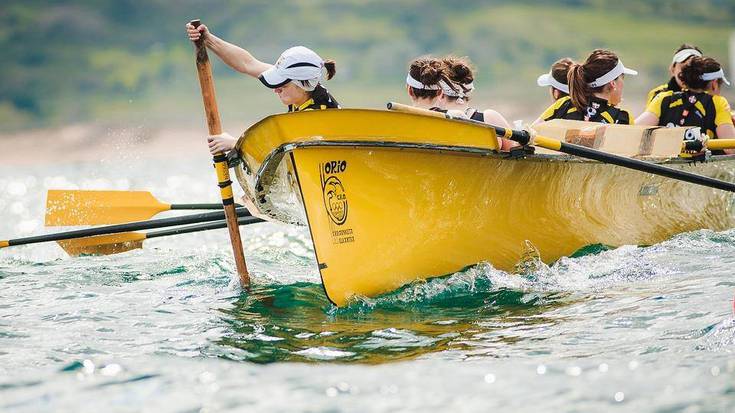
(722, 110)
(700, 107)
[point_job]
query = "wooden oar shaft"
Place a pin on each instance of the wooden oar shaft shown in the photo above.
(521, 136)
(206, 82)
(132, 226)
(585, 152)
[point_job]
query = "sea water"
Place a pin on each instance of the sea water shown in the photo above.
(167, 328)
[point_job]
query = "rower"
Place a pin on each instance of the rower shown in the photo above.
(681, 56)
(455, 96)
(699, 104)
(422, 81)
(296, 77)
(556, 79)
(456, 93)
(595, 89)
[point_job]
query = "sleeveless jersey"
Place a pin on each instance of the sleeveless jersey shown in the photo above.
(687, 108)
(670, 86)
(320, 99)
(597, 111)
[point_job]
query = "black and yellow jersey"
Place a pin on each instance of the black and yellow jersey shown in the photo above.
(670, 86)
(320, 99)
(687, 108)
(598, 111)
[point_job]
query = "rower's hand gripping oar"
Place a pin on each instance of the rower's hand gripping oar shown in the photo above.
(206, 82)
(524, 137)
(69, 207)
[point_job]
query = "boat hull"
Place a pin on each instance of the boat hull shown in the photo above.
(393, 198)
(390, 216)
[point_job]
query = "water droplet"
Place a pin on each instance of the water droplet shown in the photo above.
(541, 369)
(619, 396)
(17, 208)
(207, 377)
(27, 226)
(574, 371)
(88, 367)
(715, 371)
(603, 367)
(16, 188)
(111, 370)
(489, 378)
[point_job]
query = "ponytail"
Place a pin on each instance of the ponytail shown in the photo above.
(331, 67)
(579, 90)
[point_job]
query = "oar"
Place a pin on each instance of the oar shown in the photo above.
(523, 137)
(131, 226)
(68, 207)
(711, 144)
(126, 241)
(206, 82)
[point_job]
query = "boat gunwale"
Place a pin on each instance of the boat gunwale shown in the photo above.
(289, 147)
(271, 162)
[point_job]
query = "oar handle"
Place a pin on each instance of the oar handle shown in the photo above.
(131, 226)
(720, 144)
(520, 136)
(711, 144)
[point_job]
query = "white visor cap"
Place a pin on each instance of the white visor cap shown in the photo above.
(295, 63)
(720, 74)
(548, 80)
(685, 54)
(608, 77)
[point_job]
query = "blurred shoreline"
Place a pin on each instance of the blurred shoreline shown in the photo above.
(88, 142)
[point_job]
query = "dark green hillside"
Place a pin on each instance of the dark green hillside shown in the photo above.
(121, 59)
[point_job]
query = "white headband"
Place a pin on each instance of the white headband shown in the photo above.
(685, 54)
(608, 77)
(548, 80)
(720, 74)
(462, 89)
(418, 85)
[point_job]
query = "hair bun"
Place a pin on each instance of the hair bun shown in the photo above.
(430, 74)
(459, 69)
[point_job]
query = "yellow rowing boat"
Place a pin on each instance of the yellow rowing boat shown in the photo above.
(391, 198)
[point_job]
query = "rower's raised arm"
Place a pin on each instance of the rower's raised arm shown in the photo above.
(234, 56)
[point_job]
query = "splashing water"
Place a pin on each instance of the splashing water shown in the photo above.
(167, 328)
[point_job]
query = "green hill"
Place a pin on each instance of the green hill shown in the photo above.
(130, 61)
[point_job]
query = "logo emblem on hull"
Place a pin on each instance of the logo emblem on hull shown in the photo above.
(335, 197)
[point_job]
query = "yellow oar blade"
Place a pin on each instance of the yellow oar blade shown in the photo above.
(91, 207)
(103, 244)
